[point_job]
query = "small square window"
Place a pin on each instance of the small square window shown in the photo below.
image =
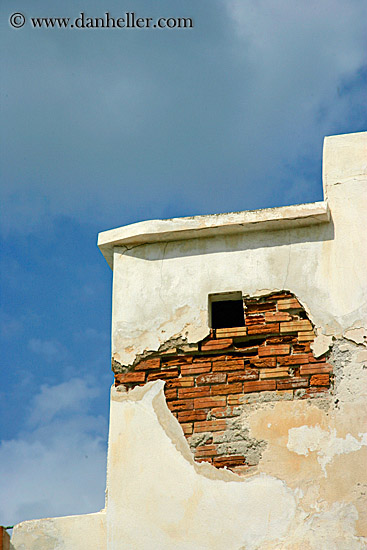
(226, 310)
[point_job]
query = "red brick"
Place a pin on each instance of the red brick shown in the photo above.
(162, 375)
(186, 393)
(263, 329)
(295, 359)
(208, 358)
(248, 374)
(295, 326)
(225, 389)
(204, 451)
(257, 307)
(233, 332)
(186, 382)
(170, 394)
(191, 416)
(316, 368)
(227, 366)
(266, 363)
(187, 429)
(281, 339)
(266, 351)
(261, 385)
(177, 361)
(320, 380)
(204, 460)
(130, 377)
(273, 317)
(212, 378)
(217, 344)
(289, 303)
(181, 405)
(223, 412)
(228, 461)
(293, 384)
(314, 391)
(207, 402)
(313, 359)
(247, 350)
(210, 426)
(254, 320)
(149, 364)
(199, 368)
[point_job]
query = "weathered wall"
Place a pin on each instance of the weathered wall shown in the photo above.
(307, 487)
(206, 383)
(160, 290)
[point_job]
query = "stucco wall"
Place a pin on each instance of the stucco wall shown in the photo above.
(308, 491)
(160, 290)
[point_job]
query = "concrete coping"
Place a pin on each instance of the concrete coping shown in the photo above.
(213, 225)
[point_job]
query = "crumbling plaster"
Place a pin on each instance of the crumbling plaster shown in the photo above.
(309, 489)
(324, 264)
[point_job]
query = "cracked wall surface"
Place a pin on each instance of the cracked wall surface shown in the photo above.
(303, 478)
(207, 384)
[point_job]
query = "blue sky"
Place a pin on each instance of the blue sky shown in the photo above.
(101, 128)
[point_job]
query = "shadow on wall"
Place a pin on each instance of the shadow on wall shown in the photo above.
(250, 240)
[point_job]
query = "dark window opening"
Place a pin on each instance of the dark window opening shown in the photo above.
(227, 314)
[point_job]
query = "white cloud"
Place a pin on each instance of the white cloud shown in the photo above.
(50, 349)
(57, 465)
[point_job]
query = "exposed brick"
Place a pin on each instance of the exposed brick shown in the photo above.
(186, 382)
(274, 317)
(281, 339)
(234, 400)
(177, 361)
(266, 351)
(266, 362)
(295, 326)
(248, 374)
(205, 450)
(306, 336)
(191, 416)
(181, 405)
(295, 359)
(129, 378)
(228, 461)
(263, 329)
(187, 428)
(223, 412)
(186, 393)
(225, 389)
(315, 392)
(227, 366)
(170, 394)
(289, 303)
(292, 384)
(320, 380)
(149, 364)
(279, 372)
(198, 368)
(207, 402)
(313, 359)
(247, 350)
(162, 375)
(261, 385)
(231, 332)
(258, 307)
(316, 368)
(212, 378)
(255, 320)
(217, 344)
(204, 460)
(210, 426)
(302, 348)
